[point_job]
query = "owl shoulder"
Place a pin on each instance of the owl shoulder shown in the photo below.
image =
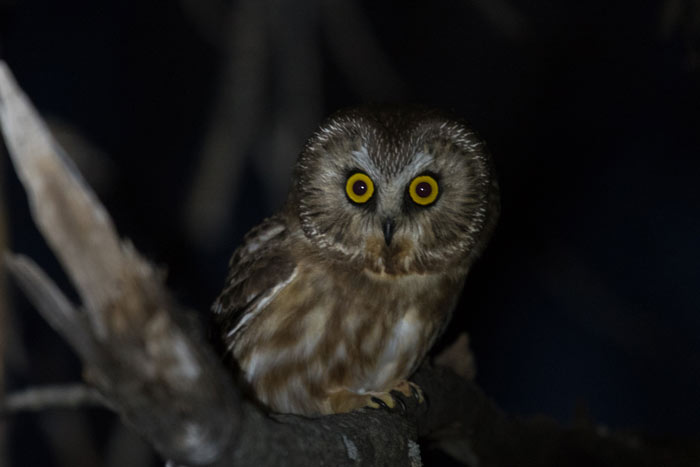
(260, 267)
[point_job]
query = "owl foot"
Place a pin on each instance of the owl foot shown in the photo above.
(346, 401)
(410, 389)
(403, 390)
(383, 400)
(395, 399)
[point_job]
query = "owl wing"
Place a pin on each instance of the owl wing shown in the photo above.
(259, 269)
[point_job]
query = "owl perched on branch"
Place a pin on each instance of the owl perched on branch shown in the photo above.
(333, 302)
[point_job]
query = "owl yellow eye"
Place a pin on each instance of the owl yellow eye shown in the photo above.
(359, 188)
(423, 190)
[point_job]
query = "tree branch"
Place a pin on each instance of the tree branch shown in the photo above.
(166, 384)
(69, 396)
(236, 114)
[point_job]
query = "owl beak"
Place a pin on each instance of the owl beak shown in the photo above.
(388, 227)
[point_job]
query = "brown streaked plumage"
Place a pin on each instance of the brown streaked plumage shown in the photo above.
(337, 298)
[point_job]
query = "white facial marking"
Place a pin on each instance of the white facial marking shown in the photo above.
(420, 161)
(362, 159)
(417, 165)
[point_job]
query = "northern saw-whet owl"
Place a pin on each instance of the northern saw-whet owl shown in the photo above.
(333, 302)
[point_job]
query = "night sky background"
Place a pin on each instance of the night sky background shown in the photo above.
(187, 116)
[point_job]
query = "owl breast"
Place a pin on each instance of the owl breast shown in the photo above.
(332, 330)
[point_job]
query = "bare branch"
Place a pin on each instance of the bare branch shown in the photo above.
(51, 303)
(98, 170)
(4, 311)
(297, 80)
(505, 18)
(69, 216)
(70, 396)
(207, 16)
(236, 117)
(134, 352)
(459, 358)
(358, 52)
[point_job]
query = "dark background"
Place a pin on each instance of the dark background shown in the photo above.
(186, 118)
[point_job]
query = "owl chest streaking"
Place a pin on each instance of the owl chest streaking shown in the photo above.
(336, 299)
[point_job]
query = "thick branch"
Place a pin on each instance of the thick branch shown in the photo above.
(166, 384)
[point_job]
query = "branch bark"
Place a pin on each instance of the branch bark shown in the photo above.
(155, 369)
(49, 397)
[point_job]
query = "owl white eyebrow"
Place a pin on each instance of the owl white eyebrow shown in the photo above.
(362, 159)
(420, 161)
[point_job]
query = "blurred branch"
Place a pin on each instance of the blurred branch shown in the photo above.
(126, 448)
(70, 396)
(208, 17)
(459, 358)
(234, 125)
(298, 90)
(94, 164)
(4, 311)
(505, 18)
(71, 439)
(67, 433)
(682, 18)
(671, 15)
(357, 52)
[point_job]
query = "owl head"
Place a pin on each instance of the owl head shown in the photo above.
(395, 190)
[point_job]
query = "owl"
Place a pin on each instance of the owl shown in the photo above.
(333, 302)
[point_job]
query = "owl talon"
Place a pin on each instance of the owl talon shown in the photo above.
(382, 401)
(378, 402)
(417, 393)
(402, 404)
(404, 390)
(411, 390)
